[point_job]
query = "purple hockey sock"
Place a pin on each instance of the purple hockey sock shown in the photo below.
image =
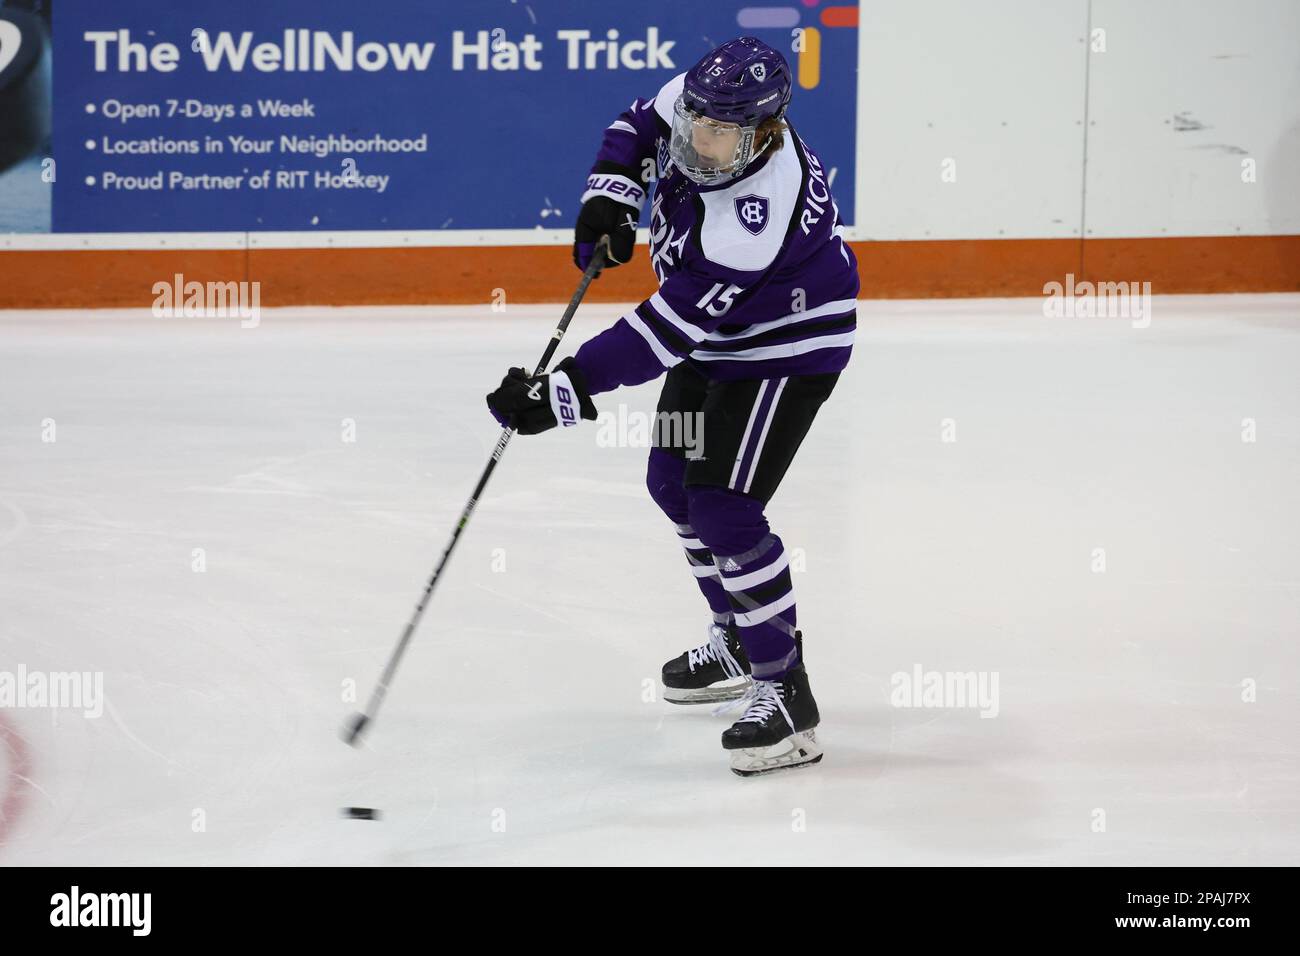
(755, 573)
(664, 474)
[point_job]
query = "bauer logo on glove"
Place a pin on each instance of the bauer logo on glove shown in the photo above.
(532, 404)
(611, 207)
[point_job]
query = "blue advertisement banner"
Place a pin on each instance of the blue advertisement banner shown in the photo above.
(400, 115)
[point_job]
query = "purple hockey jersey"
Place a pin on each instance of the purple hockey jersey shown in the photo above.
(755, 279)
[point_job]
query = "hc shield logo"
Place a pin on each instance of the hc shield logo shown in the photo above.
(758, 71)
(752, 213)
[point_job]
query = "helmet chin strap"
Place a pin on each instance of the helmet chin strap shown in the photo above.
(750, 160)
(753, 157)
(758, 152)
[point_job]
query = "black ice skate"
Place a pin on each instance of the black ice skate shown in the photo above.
(776, 731)
(711, 673)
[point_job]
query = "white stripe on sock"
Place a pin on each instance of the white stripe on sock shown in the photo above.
(760, 614)
(742, 582)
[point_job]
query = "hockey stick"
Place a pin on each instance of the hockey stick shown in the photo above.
(358, 723)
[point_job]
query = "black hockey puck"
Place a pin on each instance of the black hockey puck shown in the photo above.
(361, 813)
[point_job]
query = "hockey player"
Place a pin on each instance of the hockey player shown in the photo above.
(753, 322)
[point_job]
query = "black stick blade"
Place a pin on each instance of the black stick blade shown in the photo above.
(352, 731)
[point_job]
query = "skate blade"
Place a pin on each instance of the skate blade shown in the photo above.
(718, 693)
(797, 750)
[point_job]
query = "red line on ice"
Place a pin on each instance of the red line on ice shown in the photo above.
(13, 785)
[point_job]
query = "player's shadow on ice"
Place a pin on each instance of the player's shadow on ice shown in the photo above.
(932, 781)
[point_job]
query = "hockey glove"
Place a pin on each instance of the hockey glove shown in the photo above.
(602, 216)
(533, 405)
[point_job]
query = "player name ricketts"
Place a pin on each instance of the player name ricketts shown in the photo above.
(299, 50)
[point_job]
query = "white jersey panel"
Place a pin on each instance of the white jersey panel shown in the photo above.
(744, 224)
(667, 96)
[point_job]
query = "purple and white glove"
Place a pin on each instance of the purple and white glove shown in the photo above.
(533, 404)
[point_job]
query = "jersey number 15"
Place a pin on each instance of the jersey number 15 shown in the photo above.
(716, 302)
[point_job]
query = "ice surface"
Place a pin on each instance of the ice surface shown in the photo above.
(518, 729)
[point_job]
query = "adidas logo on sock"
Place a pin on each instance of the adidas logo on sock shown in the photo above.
(730, 565)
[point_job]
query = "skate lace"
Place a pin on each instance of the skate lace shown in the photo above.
(715, 650)
(763, 699)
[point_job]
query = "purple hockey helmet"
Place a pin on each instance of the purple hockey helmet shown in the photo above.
(724, 99)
